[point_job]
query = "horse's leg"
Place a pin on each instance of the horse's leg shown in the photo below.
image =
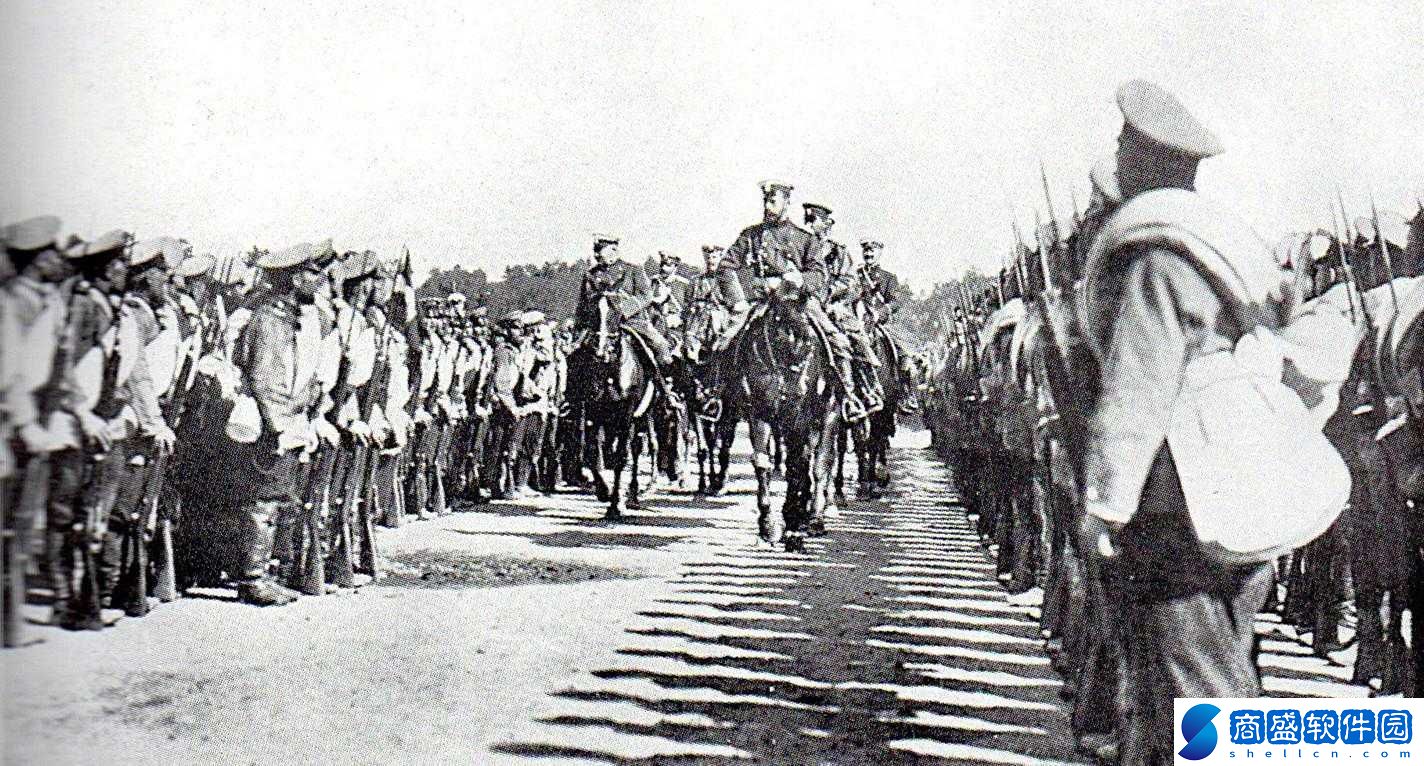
(822, 453)
(882, 448)
(767, 527)
(635, 453)
(778, 457)
(798, 490)
(725, 447)
(864, 489)
(618, 439)
(840, 464)
(703, 454)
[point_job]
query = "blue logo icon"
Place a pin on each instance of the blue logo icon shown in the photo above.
(1199, 732)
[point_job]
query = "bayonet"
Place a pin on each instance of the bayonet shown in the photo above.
(1345, 262)
(1384, 254)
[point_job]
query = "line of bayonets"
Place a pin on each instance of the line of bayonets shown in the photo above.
(966, 327)
(966, 324)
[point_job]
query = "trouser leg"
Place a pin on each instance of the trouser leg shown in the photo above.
(1199, 645)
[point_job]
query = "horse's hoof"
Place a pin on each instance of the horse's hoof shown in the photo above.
(816, 528)
(635, 504)
(840, 498)
(795, 542)
(614, 513)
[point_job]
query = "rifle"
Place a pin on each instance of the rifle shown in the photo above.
(370, 461)
(166, 583)
(1043, 250)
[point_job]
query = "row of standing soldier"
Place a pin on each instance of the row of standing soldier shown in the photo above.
(1058, 395)
(173, 423)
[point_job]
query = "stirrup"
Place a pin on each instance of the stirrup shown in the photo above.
(873, 403)
(712, 409)
(852, 410)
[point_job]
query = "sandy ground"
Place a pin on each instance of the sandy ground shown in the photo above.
(536, 631)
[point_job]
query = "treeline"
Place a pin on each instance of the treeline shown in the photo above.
(921, 321)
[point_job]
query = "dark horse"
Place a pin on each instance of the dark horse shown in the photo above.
(871, 436)
(617, 391)
(715, 431)
(786, 384)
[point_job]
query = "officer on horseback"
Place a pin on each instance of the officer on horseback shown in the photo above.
(842, 292)
(629, 298)
(781, 256)
(629, 294)
(669, 291)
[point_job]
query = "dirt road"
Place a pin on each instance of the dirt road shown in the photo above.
(521, 632)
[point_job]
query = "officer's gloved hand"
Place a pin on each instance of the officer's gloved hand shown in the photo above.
(163, 437)
(37, 439)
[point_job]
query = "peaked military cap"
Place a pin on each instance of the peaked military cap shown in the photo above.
(871, 244)
(819, 209)
(770, 185)
(195, 265)
(31, 234)
(455, 298)
(149, 251)
(358, 265)
(295, 255)
(1104, 178)
(664, 257)
(110, 242)
(1160, 118)
(323, 252)
(599, 240)
(531, 318)
(710, 249)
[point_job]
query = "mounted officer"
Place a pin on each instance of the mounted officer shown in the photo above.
(669, 291)
(617, 294)
(843, 291)
(780, 256)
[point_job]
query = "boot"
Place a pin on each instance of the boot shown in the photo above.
(852, 409)
(255, 533)
(873, 396)
(264, 593)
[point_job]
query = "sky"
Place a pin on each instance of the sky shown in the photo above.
(490, 134)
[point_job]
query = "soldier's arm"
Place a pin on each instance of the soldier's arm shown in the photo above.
(894, 293)
(1163, 299)
(840, 282)
(739, 254)
(813, 269)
